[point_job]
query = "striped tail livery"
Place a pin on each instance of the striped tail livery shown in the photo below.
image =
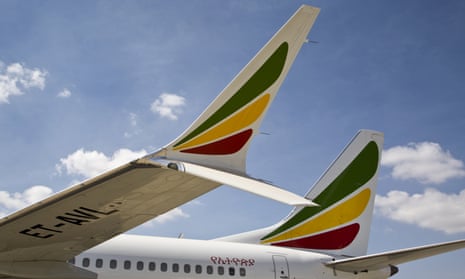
(345, 195)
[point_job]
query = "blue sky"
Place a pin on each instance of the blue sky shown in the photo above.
(82, 86)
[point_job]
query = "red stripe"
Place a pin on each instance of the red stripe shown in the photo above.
(224, 146)
(332, 240)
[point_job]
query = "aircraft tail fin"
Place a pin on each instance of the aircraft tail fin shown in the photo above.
(221, 135)
(345, 194)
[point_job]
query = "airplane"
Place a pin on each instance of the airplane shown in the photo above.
(78, 232)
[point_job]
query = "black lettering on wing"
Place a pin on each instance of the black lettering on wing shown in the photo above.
(30, 232)
(72, 220)
(78, 216)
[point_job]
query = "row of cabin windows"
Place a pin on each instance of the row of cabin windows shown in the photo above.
(175, 267)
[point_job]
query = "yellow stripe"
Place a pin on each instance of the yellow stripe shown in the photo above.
(244, 118)
(336, 216)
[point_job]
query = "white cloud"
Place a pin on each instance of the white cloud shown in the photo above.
(426, 162)
(171, 215)
(168, 105)
(65, 93)
(432, 209)
(134, 129)
(92, 163)
(15, 78)
(133, 119)
(13, 201)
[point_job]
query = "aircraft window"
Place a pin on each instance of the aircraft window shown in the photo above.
(85, 262)
(140, 265)
(187, 268)
(164, 267)
(127, 264)
(220, 270)
(99, 263)
(232, 271)
(198, 269)
(175, 267)
(113, 264)
(209, 269)
(151, 266)
(242, 272)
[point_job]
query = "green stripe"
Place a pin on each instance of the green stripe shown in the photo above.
(357, 173)
(268, 73)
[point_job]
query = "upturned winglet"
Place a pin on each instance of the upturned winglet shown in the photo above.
(221, 135)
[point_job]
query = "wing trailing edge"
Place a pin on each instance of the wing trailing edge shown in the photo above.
(240, 182)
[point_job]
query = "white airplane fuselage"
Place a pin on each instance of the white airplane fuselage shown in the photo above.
(144, 257)
(330, 222)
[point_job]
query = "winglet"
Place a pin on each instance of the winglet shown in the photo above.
(220, 137)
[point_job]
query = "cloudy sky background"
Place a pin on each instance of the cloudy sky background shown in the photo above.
(87, 86)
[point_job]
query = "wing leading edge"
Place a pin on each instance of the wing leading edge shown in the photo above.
(87, 214)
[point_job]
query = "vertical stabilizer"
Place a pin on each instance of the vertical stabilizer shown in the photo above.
(220, 137)
(345, 193)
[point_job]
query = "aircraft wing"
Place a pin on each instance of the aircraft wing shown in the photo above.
(89, 213)
(72, 221)
(392, 258)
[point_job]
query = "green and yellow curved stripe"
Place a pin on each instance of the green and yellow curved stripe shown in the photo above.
(229, 122)
(236, 122)
(339, 215)
(340, 203)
